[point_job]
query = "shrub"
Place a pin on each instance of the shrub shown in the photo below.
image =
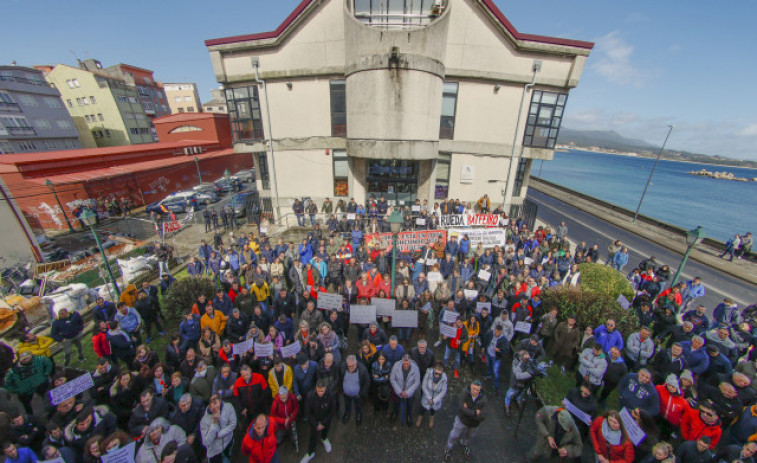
(589, 308)
(602, 279)
(185, 291)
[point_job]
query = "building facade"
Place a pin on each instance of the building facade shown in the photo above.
(32, 115)
(217, 103)
(105, 109)
(182, 97)
(397, 98)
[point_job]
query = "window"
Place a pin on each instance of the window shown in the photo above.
(76, 82)
(63, 124)
(107, 133)
(70, 103)
(442, 175)
(92, 100)
(94, 133)
(6, 98)
(28, 100)
(177, 99)
(100, 116)
(122, 99)
(181, 110)
(132, 99)
(262, 169)
(52, 102)
(244, 113)
(341, 173)
(50, 144)
(338, 109)
(85, 100)
(41, 123)
(185, 128)
(544, 118)
(27, 145)
(70, 83)
(134, 131)
(190, 109)
(222, 108)
(6, 148)
(187, 99)
(79, 101)
(86, 118)
(449, 106)
(144, 130)
(520, 176)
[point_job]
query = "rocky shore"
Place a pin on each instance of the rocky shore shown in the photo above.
(721, 175)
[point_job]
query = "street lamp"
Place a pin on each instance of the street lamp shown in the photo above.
(649, 180)
(693, 237)
(197, 163)
(395, 225)
(89, 218)
(52, 188)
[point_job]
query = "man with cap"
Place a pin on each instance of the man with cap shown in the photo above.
(304, 376)
(470, 414)
(557, 436)
(672, 402)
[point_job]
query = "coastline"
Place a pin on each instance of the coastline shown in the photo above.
(636, 155)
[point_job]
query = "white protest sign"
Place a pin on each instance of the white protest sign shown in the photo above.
(523, 327)
(415, 208)
(351, 216)
(470, 294)
(483, 305)
(123, 455)
(384, 307)
(449, 316)
(446, 330)
(431, 262)
(528, 260)
(71, 388)
(487, 237)
(634, 431)
(242, 347)
(362, 314)
(264, 350)
(420, 221)
(329, 301)
(624, 302)
(405, 319)
(263, 230)
(426, 307)
(580, 414)
(484, 275)
(290, 350)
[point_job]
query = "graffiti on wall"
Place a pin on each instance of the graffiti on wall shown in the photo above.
(44, 210)
(160, 183)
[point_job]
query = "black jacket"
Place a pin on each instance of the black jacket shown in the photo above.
(424, 361)
(363, 377)
(141, 418)
(688, 453)
(236, 328)
(287, 306)
(467, 412)
(319, 409)
(331, 376)
(189, 421)
(615, 372)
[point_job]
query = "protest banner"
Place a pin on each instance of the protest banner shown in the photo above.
(264, 350)
(71, 388)
(351, 216)
(420, 222)
(487, 237)
(624, 302)
(171, 226)
(415, 208)
(580, 414)
(469, 220)
(447, 330)
(405, 319)
(242, 347)
(406, 241)
(123, 455)
(528, 260)
(523, 327)
(329, 301)
(483, 305)
(426, 307)
(290, 350)
(384, 307)
(484, 275)
(449, 316)
(632, 429)
(431, 262)
(470, 294)
(362, 314)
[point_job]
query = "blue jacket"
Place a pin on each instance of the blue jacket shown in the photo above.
(607, 339)
(69, 328)
(195, 268)
(306, 253)
(286, 328)
(417, 270)
(234, 260)
(698, 361)
(25, 455)
(204, 251)
(446, 267)
(453, 247)
(223, 304)
(464, 246)
(215, 264)
(466, 273)
(304, 382)
(634, 395)
(130, 321)
(190, 330)
(357, 237)
(694, 290)
(393, 355)
(620, 259)
(727, 315)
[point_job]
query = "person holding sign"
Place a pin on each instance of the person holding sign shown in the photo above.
(609, 439)
(557, 436)
(455, 345)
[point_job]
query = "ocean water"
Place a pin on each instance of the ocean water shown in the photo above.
(721, 207)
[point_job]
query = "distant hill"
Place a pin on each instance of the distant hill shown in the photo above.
(602, 139)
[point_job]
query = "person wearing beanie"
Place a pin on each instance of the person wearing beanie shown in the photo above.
(672, 403)
(557, 436)
(688, 391)
(304, 376)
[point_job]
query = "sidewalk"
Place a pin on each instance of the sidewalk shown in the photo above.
(742, 269)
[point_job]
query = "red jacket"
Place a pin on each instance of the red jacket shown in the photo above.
(615, 453)
(280, 411)
(672, 407)
(259, 449)
(101, 345)
(251, 394)
(693, 427)
(366, 290)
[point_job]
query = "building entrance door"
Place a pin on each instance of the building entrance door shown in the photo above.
(395, 180)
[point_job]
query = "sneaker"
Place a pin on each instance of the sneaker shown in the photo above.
(457, 374)
(327, 445)
(447, 454)
(307, 457)
(466, 451)
(562, 370)
(437, 343)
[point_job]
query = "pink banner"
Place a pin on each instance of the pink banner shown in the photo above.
(406, 241)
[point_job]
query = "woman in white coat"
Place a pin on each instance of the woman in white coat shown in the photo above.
(434, 388)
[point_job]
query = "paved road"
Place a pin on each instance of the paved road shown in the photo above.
(586, 227)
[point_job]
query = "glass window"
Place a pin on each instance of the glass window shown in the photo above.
(442, 175)
(341, 173)
(244, 113)
(262, 170)
(26, 100)
(449, 106)
(520, 176)
(338, 109)
(545, 117)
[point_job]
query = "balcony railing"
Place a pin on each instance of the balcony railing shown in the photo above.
(5, 106)
(398, 13)
(24, 80)
(21, 130)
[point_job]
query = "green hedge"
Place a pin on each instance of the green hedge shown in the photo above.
(602, 279)
(184, 293)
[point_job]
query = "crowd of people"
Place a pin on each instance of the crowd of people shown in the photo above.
(687, 382)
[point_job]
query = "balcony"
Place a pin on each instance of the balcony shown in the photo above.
(398, 14)
(4, 106)
(19, 131)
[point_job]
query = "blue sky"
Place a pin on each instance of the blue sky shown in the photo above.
(691, 64)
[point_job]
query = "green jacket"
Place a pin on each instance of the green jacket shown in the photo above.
(545, 427)
(25, 379)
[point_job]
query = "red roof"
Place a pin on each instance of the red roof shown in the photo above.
(65, 155)
(489, 4)
(115, 171)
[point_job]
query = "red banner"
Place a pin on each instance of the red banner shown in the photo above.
(406, 241)
(171, 226)
(470, 220)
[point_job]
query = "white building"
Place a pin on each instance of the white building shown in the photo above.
(398, 98)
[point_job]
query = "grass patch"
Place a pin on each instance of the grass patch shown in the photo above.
(553, 389)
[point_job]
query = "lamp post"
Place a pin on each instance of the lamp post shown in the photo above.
(197, 163)
(395, 224)
(52, 188)
(89, 218)
(693, 237)
(649, 180)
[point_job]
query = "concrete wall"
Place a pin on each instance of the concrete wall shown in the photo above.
(15, 247)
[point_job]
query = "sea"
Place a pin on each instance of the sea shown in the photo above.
(721, 207)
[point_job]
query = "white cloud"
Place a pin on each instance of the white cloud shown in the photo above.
(612, 60)
(749, 130)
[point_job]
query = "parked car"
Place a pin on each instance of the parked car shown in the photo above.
(239, 201)
(245, 175)
(225, 184)
(204, 197)
(176, 202)
(208, 187)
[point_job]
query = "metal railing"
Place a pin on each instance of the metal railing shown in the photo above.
(399, 13)
(21, 130)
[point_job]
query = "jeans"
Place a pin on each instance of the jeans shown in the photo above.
(67, 343)
(312, 220)
(348, 404)
(462, 433)
(403, 407)
(448, 353)
(512, 394)
(404, 333)
(300, 219)
(492, 369)
(148, 325)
